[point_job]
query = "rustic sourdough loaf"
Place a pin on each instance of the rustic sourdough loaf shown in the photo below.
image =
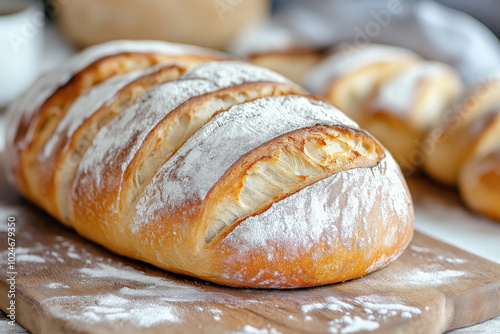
(215, 169)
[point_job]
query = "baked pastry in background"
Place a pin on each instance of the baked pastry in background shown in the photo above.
(416, 108)
(471, 122)
(389, 91)
(200, 22)
(479, 182)
(294, 63)
(222, 170)
(350, 75)
(404, 107)
(466, 148)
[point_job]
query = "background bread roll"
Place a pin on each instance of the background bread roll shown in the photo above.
(391, 92)
(405, 106)
(200, 22)
(468, 123)
(479, 183)
(349, 76)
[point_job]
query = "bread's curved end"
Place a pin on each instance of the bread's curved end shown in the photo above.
(339, 224)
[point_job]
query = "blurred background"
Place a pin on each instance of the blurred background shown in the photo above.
(30, 44)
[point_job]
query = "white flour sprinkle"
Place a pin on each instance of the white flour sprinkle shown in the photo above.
(429, 278)
(111, 308)
(420, 249)
(84, 107)
(398, 94)
(73, 255)
(353, 325)
(390, 309)
(10, 210)
(56, 285)
(104, 164)
(325, 223)
(105, 271)
(29, 258)
(199, 163)
(310, 307)
(452, 260)
(226, 73)
(376, 309)
(406, 315)
(436, 258)
(247, 329)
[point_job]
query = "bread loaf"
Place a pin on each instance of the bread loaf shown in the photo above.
(479, 183)
(223, 171)
(391, 92)
(470, 122)
(348, 76)
(403, 108)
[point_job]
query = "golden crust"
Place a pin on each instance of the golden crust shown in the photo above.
(57, 171)
(153, 152)
(183, 228)
(293, 145)
(325, 262)
(479, 184)
(35, 128)
(455, 139)
(338, 194)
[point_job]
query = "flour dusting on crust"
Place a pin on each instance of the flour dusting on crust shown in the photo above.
(226, 73)
(117, 143)
(190, 173)
(47, 84)
(86, 105)
(325, 212)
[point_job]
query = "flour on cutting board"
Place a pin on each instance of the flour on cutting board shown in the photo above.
(29, 258)
(152, 300)
(56, 285)
(247, 329)
(376, 309)
(145, 300)
(5, 212)
(439, 258)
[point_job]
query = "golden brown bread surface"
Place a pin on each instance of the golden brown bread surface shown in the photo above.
(223, 171)
(471, 121)
(479, 183)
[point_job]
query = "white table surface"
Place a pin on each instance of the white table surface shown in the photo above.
(455, 226)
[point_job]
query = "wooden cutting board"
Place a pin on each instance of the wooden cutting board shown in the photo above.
(65, 284)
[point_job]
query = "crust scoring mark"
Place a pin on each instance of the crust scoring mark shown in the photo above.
(292, 162)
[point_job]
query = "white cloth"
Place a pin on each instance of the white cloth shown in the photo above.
(426, 27)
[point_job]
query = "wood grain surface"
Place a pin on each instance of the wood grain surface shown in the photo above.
(65, 284)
